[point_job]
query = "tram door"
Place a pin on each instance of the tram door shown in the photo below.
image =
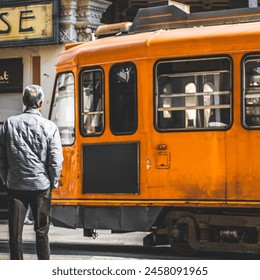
(113, 151)
(192, 116)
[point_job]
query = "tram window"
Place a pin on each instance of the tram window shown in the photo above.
(92, 106)
(123, 98)
(193, 94)
(62, 112)
(251, 92)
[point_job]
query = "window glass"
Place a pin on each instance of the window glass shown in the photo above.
(251, 92)
(193, 94)
(62, 112)
(123, 98)
(92, 102)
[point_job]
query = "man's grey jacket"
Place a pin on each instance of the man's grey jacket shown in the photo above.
(30, 152)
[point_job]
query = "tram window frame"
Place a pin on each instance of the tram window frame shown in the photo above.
(251, 91)
(123, 98)
(203, 104)
(67, 132)
(93, 130)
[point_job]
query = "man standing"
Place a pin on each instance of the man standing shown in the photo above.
(30, 165)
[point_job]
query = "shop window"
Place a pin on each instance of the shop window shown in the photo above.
(193, 94)
(11, 87)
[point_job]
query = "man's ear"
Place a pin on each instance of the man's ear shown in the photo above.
(41, 105)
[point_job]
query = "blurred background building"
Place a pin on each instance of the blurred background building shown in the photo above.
(125, 10)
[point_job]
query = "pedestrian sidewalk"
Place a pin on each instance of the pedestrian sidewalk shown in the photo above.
(63, 235)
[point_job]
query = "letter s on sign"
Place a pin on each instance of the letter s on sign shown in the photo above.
(8, 26)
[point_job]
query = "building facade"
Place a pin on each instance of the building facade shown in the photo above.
(32, 34)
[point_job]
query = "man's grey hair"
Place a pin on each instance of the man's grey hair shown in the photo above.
(33, 96)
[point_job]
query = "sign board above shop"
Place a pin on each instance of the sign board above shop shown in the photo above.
(24, 23)
(11, 75)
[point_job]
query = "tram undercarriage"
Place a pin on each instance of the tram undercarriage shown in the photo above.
(187, 232)
(225, 231)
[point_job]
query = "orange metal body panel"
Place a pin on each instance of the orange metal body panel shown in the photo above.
(207, 168)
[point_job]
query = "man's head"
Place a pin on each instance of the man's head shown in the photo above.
(33, 96)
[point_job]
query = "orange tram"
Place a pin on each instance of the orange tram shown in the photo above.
(160, 126)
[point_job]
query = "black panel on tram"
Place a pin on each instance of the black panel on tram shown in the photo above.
(111, 168)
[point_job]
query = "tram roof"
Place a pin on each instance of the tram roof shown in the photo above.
(185, 41)
(157, 30)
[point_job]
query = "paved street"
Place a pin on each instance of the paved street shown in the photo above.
(60, 237)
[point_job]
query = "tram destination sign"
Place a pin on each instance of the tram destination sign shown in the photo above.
(24, 23)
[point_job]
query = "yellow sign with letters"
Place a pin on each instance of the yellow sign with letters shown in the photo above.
(26, 22)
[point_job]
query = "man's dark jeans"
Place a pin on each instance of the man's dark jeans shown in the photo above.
(40, 202)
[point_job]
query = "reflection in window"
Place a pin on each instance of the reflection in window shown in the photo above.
(190, 100)
(166, 102)
(123, 98)
(92, 102)
(251, 92)
(208, 88)
(62, 112)
(193, 94)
